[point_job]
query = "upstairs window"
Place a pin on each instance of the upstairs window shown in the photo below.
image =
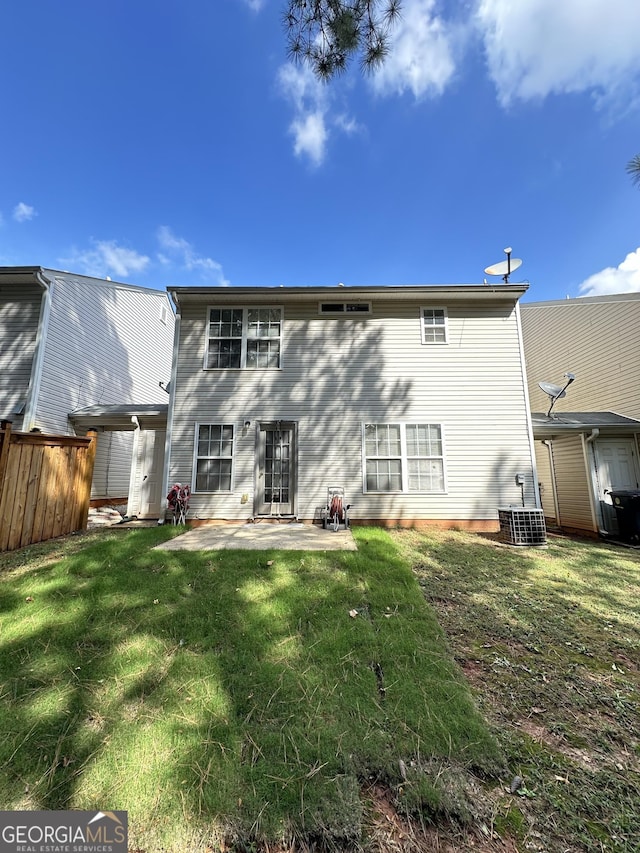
(247, 338)
(434, 325)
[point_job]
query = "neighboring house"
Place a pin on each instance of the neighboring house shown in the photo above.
(412, 399)
(589, 445)
(70, 343)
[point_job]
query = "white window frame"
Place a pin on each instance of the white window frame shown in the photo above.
(197, 457)
(404, 459)
(244, 337)
(424, 326)
(343, 309)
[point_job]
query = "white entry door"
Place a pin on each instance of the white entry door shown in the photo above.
(152, 459)
(617, 469)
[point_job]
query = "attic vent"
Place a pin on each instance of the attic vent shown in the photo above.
(522, 526)
(344, 308)
(163, 314)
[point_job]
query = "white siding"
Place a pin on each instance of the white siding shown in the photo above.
(595, 338)
(337, 374)
(112, 467)
(19, 315)
(106, 345)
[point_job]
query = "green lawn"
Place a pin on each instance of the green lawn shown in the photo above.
(230, 695)
(550, 640)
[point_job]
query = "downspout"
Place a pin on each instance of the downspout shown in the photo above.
(35, 380)
(172, 398)
(532, 448)
(134, 473)
(594, 499)
(554, 487)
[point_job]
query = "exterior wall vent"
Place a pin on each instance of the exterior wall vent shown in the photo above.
(343, 308)
(522, 526)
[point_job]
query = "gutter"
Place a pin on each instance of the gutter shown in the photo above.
(451, 293)
(35, 380)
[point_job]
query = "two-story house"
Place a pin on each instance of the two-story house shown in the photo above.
(79, 352)
(590, 442)
(411, 399)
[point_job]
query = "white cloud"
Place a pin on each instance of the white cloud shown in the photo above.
(420, 60)
(310, 104)
(178, 248)
(310, 135)
(625, 278)
(256, 5)
(24, 212)
(538, 47)
(313, 114)
(106, 257)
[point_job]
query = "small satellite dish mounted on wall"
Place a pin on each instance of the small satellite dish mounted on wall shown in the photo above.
(556, 392)
(505, 268)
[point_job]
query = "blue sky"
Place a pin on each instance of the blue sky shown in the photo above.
(166, 143)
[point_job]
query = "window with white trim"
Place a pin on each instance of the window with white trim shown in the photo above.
(433, 322)
(403, 457)
(247, 338)
(213, 457)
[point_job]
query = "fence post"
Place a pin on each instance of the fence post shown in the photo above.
(87, 479)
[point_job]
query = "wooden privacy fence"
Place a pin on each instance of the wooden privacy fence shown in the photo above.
(45, 485)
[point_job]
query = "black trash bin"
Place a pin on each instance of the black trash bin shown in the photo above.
(627, 506)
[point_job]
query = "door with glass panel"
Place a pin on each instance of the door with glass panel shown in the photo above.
(276, 469)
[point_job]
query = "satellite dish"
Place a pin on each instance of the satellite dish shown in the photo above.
(505, 268)
(556, 392)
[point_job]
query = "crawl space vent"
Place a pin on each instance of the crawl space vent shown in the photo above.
(522, 526)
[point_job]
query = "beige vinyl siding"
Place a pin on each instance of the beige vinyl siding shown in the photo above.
(338, 373)
(596, 338)
(545, 478)
(19, 317)
(572, 484)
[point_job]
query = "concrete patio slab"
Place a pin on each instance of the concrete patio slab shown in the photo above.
(261, 537)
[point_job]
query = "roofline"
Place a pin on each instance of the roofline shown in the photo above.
(507, 292)
(632, 296)
(550, 426)
(20, 270)
(35, 272)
